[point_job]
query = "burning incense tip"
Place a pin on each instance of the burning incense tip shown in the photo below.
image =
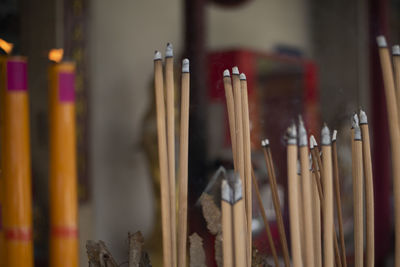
(226, 192)
(291, 135)
(169, 51)
(235, 70)
(311, 143)
(237, 190)
(302, 133)
(325, 136)
(6, 46)
(265, 142)
(363, 117)
(356, 127)
(334, 135)
(381, 41)
(157, 55)
(185, 65)
(396, 50)
(226, 73)
(312, 139)
(242, 76)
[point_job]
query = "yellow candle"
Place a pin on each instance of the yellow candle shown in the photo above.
(63, 175)
(16, 165)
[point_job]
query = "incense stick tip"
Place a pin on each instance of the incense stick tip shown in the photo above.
(226, 191)
(291, 135)
(325, 135)
(169, 51)
(396, 50)
(354, 121)
(242, 76)
(237, 190)
(334, 135)
(265, 142)
(157, 55)
(235, 70)
(363, 117)
(381, 40)
(226, 73)
(185, 65)
(311, 142)
(356, 127)
(302, 133)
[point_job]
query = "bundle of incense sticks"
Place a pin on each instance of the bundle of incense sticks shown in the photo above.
(174, 246)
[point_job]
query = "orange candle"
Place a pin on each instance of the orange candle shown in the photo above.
(63, 175)
(16, 164)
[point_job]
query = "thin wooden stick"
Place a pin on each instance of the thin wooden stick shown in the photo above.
(293, 196)
(393, 118)
(396, 72)
(183, 163)
(328, 198)
(319, 178)
(247, 162)
(307, 192)
(337, 197)
(239, 225)
(170, 94)
(231, 112)
(316, 222)
(265, 219)
(369, 191)
(275, 200)
(163, 161)
(358, 194)
(227, 224)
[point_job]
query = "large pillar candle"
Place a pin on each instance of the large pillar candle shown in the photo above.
(63, 175)
(16, 164)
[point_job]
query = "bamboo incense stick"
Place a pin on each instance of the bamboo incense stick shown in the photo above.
(227, 221)
(316, 222)
(275, 200)
(328, 198)
(369, 191)
(163, 160)
(231, 112)
(307, 191)
(337, 197)
(393, 118)
(320, 177)
(239, 225)
(183, 163)
(247, 161)
(293, 195)
(358, 194)
(170, 99)
(265, 219)
(396, 72)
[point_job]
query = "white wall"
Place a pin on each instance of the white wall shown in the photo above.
(124, 35)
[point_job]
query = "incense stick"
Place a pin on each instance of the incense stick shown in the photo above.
(265, 219)
(275, 200)
(239, 225)
(231, 112)
(396, 72)
(358, 194)
(328, 198)
(183, 163)
(293, 195)
(316, 222)
(307, 191)
(227, 221)
(247, 161)
(170, 99)
(369, 190)
(337, 197)
(393, 119)
(163, 162)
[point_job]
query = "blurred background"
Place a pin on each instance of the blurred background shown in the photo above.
(309, 57)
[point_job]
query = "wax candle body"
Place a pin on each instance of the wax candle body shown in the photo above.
(63, 177)
(16, 165)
